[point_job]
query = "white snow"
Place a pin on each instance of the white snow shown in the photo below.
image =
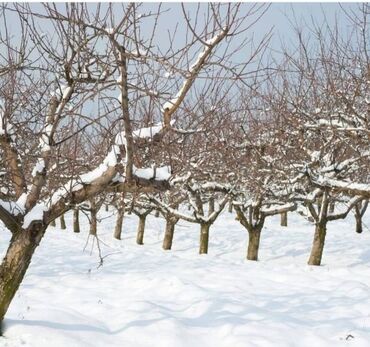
(44, 142)
(163, 173)
(160, 173)
(365, 188)
(120, 98)
(39, 167)
(65, 91)
(138, 53)
(11, 207)
(21, 202)
(35, 214)
(75, 184)
(148, 132)
(143, 296)
(168, 74)
(62, 91)
(120, 139)
(172, 102)
(146, 173)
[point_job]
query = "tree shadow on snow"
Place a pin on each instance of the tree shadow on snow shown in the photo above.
(8, 323)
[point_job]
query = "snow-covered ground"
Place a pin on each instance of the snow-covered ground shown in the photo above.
(144, 296)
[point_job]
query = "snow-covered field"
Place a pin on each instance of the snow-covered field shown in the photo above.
(144, 296)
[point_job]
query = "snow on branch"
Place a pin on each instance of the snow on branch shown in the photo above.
(172, 211)
(338, 125)
(352, 188)
(160, 174)
(351, 204)
(35, 214)
(171, 106)
(277, 209)
(151, 131)
(11, 207)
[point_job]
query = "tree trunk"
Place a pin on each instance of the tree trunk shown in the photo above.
(253, 244)
(156, 214)
(230, 208)
(93, 222)
(359, 212)
(358, 223)
(106, 207)
(62, 222)
(284, 219)
(204, 238)
(52, 223)
(332, 207)
(140, 230)
(211, 206)
(15, 264)
(318, 244)
(168, 235)
(119, 222)
(76, 220)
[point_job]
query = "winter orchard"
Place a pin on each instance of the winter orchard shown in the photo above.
(95, 112)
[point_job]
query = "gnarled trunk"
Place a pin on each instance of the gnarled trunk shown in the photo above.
(230, 208)
(62, 222)
(253, 243)
(318, 244)
(93, 222)
(204, 238)
(119, 222)
(360, 210)
(140, 230)
(76, 220)
(284, 219)
(358, 218)
(15, 264)
(168, 235)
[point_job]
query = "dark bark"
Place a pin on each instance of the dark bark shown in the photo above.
(211, 205)
(119, 223)
(358, 218)
(62, 222)
(15, 264)
(52, 223)
(140, 230)
(76, 220)
(358, 224)
(253, 244)
(318, 244)
(204, 238)
(93, 222)
(170, 230)
(230, 208)
(360, 210)
(284, 219)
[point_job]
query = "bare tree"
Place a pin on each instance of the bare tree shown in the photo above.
(58, 149)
